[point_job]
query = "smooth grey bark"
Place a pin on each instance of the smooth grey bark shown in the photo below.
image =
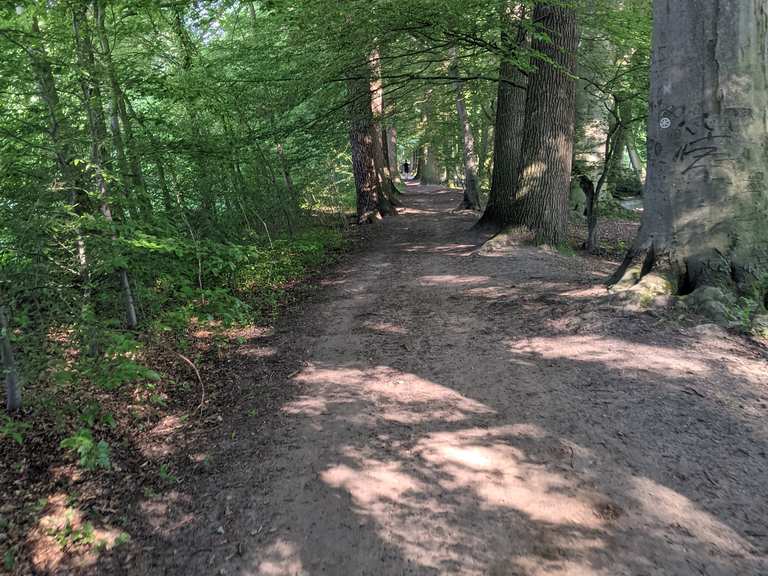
(471, 198)
(12, 381)
(637, 163)
(92, 104)
(544, 178)
(706, 201)
(125, 147)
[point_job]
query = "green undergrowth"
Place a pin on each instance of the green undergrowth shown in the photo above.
(81, 376)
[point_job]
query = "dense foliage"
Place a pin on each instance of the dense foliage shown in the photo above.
(172, 167)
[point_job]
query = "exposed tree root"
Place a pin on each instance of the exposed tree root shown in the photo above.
(711, 284)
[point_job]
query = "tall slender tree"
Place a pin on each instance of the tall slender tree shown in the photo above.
(471, 197)
(93, 106)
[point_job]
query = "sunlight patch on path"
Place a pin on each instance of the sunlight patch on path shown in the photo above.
(398, 396)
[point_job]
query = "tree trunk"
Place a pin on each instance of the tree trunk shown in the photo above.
(388, 199)
(99, 154)
(623, 113)
(590, 211)
(471, 199)
(706, 202)
(391, 140)
(428, 168)
(125, 149)
(508, 129)
(636, 161)
(59, 133)
(482, 156)
(12, 384)
(361, 139)
(547, 151)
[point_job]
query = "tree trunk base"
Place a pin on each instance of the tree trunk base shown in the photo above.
(467, 205)
(489, 222)
(714, 285)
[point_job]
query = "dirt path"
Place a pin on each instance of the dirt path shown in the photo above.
(459, 413)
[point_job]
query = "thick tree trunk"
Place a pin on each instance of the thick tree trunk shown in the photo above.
(547, 150)
(12, 383)
(362, 140)
(508, 129)
(706, 201)
(429, 168)
(471, 199)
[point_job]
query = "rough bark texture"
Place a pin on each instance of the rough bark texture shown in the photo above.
(508, 129)
(471, 198)
(636, 161)
(361, 139)
(547, 150)
(706, 204)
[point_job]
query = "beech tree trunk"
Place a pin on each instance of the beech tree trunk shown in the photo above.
(59, 132)
(706, 202)
(636, 161)
(8, 364)
(508, 128)
(471, 199)
(92, 104)
(547, 150)
(125, 148)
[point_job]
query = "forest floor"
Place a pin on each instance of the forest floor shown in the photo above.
(433, 408)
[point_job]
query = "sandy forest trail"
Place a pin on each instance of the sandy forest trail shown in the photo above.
(464, 413)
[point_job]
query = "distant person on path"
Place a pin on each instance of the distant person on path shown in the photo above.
(406, 168)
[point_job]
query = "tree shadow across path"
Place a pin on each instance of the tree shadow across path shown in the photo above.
(461, 413)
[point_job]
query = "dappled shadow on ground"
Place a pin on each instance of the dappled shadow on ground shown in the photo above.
(462, 413)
